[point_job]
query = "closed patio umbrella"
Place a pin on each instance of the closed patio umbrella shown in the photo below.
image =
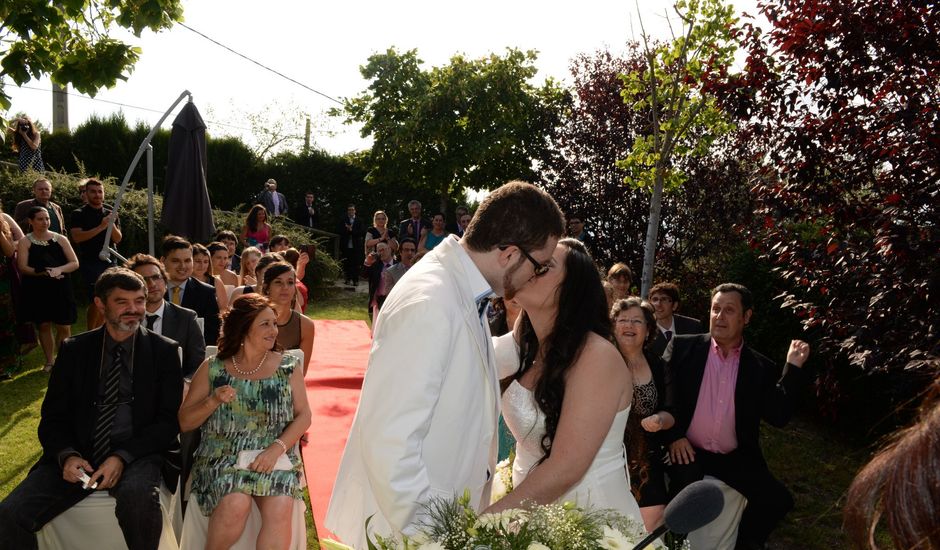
(186, 208)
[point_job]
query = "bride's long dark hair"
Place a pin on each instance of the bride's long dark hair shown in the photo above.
(582, 309)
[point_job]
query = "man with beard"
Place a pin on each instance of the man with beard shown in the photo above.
(89, 226)
(110, 414)
(432, 354)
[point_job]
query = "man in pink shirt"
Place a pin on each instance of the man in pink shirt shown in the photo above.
(718, 389)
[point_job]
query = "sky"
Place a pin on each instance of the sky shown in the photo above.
(322, 45)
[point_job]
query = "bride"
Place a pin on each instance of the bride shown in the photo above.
(567, 403)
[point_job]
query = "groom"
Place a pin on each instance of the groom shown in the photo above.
(427, 417)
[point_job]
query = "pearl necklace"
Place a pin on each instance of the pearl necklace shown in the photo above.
(252, 371)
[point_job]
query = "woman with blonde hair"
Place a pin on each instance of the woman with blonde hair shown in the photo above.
(250, 257)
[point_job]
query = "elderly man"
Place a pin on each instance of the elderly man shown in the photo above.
(42, 196)
(272, 200)
(415, 226)
(109, 414)
(718, 389)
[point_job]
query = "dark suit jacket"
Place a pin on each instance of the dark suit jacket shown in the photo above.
(179, 324)
(683, 325)
(22, 211)
(356, 234)
(266, 198)
(200, 298)
(403, 229)
(69, 412)
(303, 217)
(761, 391)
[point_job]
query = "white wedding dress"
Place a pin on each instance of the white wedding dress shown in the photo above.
(606, 484)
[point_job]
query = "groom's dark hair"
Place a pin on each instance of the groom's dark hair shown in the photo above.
(517, 213)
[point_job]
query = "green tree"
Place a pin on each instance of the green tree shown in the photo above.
(684, 119)
(471, 124)
(69, 40)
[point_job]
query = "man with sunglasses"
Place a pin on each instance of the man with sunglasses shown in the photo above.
(426, 425)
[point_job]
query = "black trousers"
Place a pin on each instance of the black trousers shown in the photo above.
(352, 262)
(43, 495)
(768, 500)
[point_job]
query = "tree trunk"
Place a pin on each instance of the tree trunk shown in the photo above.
(652, 235)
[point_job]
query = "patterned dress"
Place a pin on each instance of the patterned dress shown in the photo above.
(257, 416)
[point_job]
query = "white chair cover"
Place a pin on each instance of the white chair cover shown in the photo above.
(722, 533)
(196, 528)
(92, 525)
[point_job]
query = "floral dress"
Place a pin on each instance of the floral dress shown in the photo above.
(258, 415)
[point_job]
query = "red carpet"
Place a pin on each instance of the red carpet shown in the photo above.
(340, 356)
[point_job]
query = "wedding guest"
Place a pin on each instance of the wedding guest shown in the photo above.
(251, 404)
(459, 226)
(570, 394)
(230, 241)
(256, 230)
(45, 259)
(258, 274)
(42, 196)
(279, 243)
(307, 214)
(462, 222)
(351, 237)
(202, 271)
(273, 201)
(406, 258)
(185, 290)
(9, 343)
(294, 329)
(718, 389)
(109, 413)
(219, 261)
(618, 282)
(577, 230)
(250, 257)
(502, 315)
(376, 264)
(897, 491)
(26, 141)
(435, 236)
(299, 260)
(665, 300)
(414, 227)
(634, 330)
(380, 232)
(88, 228)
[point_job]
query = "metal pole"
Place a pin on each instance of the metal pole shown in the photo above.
(104, 254)
(150, 197)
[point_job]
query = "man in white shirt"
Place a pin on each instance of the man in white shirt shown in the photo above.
(427, 419)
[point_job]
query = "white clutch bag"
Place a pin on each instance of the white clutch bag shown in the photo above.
(247, 457)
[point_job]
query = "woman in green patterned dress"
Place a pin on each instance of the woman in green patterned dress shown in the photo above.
(249, 398)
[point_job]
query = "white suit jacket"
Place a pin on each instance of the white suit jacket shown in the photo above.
(427, 417)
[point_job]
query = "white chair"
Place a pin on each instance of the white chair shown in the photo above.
(722, 533)
(92, 525)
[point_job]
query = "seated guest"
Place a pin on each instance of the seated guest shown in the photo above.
(634, 330)
(279, 243)
(109, 413)
(617, 284)
(250, 257)
(175, 322)
(45, 259)
(718, 389)
(406, 258)
(380, 232)
(299, 260)
(258, 274)
(219, 261)
(250, 402)
(202, 271)
(294, 329)
(665, 300)
(435, 236)
(230, 241)
(184, 290)
(376, 263)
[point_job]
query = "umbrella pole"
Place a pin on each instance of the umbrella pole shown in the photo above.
(150, 197)
(104, 254)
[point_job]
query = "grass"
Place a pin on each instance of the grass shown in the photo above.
(813, 461)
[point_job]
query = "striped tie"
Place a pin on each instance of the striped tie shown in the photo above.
(108, 408)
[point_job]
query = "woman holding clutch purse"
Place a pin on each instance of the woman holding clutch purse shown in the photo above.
(252, 406)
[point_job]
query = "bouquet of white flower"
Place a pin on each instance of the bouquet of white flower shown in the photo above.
(455, 525)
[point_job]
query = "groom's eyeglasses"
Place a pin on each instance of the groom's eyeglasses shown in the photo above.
(539, 269)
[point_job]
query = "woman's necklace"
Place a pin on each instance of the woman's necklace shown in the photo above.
(252, 371)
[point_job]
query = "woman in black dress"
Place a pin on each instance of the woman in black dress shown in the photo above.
(45, 258)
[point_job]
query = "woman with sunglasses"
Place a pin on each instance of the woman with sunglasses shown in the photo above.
(568, 393)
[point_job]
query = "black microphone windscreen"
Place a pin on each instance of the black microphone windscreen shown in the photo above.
(694, 507)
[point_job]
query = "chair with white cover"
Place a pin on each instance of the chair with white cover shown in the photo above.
(722, 533)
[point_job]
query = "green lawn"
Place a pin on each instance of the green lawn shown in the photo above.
(812, 460)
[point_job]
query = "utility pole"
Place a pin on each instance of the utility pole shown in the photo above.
(307, 138)
(60, 108)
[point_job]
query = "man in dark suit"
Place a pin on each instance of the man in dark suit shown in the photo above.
(307, 213)
(272, 200)
(175, 322)
(185, 290)
(351, 244)
(42, 196)
(109, 413)
(415, 226)
(665, 300)
(376, 264)
(718, 389)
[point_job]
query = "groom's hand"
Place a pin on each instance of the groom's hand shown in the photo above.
(681, 452)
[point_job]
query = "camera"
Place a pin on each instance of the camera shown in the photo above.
(25, 127)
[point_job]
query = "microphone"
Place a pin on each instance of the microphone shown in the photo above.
(693, 508)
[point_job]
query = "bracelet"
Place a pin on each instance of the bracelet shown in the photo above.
(282, 444)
